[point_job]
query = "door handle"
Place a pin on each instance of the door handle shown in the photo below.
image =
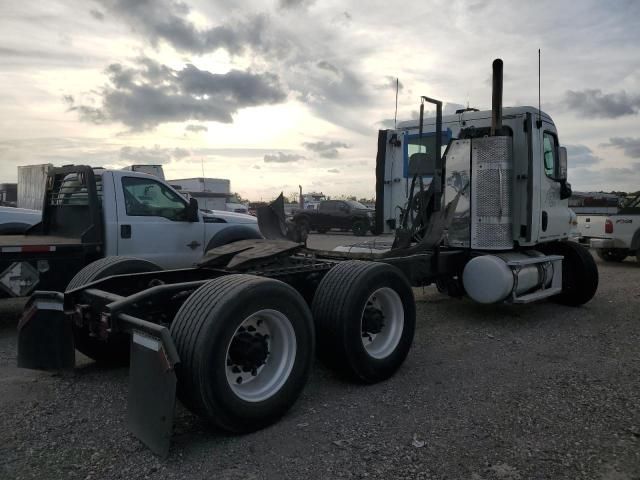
(193, 245)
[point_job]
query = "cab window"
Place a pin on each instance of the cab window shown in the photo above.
(147, 198)
(550, 154)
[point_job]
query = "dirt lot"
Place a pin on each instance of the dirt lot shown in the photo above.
(497, 392)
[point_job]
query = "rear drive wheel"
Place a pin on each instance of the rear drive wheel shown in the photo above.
(246, 344)
(365, 319)
(115, 350)
(579, 272)
(612, 254)
(359, 228)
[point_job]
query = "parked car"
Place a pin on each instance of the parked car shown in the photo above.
(91, 214)
(15, 221)
(346, 215)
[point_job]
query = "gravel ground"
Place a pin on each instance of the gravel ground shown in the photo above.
(488, 392)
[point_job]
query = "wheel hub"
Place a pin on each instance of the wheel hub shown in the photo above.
(372, 321)
(382, 322)
(260, 355)
(248, 350)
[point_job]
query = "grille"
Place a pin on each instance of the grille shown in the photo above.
(491, 206)
(493, 201)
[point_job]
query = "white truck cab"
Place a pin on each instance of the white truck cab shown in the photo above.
(530, 181)
(90, 214)
(147, 218)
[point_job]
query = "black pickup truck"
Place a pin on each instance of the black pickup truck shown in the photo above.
(341, 214)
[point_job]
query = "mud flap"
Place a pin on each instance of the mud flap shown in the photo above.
(152, 387)
(45, 336)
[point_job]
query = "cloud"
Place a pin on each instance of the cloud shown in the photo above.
(390, 83)
(153, 155)
(450, 108)
(333, 170)
(166, 20)
(196, 128)
(148, 94)
(630, 146)
(331, 90)
(97, 14)
(581, 156)
(324, 65)
(387, 123)
(606, 179)
(280, 157)
(593, 102)
(325, 149)
(285, 4)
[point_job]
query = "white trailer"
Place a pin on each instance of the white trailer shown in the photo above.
(155, 170)
(203, 184)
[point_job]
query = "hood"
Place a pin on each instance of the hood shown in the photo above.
(231, 217)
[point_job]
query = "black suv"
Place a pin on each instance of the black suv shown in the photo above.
(342, 214)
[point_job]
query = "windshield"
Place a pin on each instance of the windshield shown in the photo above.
(354, 204)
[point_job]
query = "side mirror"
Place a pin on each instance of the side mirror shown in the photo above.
(562, 165)
(192, 210)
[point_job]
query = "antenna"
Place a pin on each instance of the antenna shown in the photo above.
(202, 164)
(395, 115)
(539, 122)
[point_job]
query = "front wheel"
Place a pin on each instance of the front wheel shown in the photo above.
(359, 228)
(579, 272)
(365, 319)
(246, 345)
(612, 254)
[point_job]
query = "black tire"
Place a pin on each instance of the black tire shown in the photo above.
(203, 330)
(579, 273)
(360, 228)
(304, 228)
(322, 230)
(231, 234)
(114, 351)
(612, 254)
(338, 311)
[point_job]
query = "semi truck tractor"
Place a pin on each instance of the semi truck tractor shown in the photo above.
(235, 337)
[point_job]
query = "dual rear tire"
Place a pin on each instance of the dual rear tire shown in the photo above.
(247, 343)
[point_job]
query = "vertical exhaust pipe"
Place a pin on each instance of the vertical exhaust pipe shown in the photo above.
(496, 101)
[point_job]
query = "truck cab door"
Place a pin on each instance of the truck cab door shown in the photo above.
(555, 216)
(153, 223)
(343, 215)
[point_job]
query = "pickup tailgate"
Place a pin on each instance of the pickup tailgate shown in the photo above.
(591, 226)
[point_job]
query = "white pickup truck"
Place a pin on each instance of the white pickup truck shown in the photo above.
(90, 213)
(614, 237)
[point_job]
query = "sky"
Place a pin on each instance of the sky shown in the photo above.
(276, 94)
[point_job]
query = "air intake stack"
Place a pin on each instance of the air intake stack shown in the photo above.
(496, 100)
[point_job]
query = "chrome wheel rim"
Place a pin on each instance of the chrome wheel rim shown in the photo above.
(260, 355)
(382, 322)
